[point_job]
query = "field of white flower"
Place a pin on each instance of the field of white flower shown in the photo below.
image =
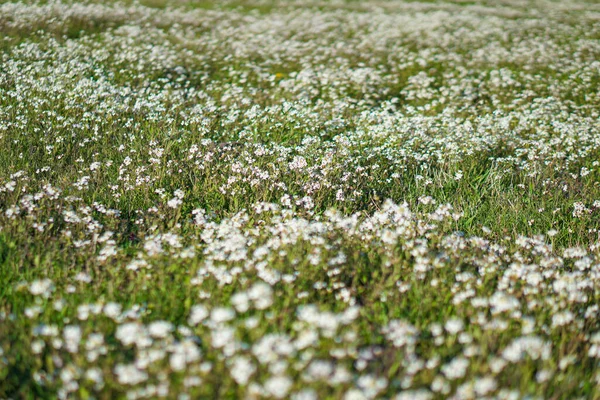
(274, 199)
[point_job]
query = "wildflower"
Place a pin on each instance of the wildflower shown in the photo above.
(41, 288)
(278, 386)
(261, 294)
(242, 369)
(160, 329)
(198, 314)
(129, 374)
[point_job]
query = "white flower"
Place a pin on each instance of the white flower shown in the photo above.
(305, 394)
(175, 202)
(72, 335)
(133, 333)
(160, 329)
(261, 294)
(278, 386)
(319, 370)
(222, 336)
(371, 385)
(222, 314)
(37, 346)
(543, 376)
(129, 374)
(562, 319)
(533, 346)
(401, 333)
(112, 310)
(241, 370)
(483, 386)
(354, 394)
(41, 287)
(241, 302)
(298, 163)
(457, 368)
(198, 314)
(454, 326)
(501, 302)
(183, 354)
(420, 394)
(95, 375)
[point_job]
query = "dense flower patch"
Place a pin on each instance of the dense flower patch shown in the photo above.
(305, 200)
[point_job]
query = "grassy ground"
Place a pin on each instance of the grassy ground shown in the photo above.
(258, 199)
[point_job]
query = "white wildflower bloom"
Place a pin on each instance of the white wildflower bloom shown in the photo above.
(136, 264)
(95, 375)
(531, 346)
(72, 336)
(454, 326)
(271, 347)
(32, 312)
(594, 350)
(278, 386)
(355, 394)
(42, 287)
(222, 314)
(37, 346)
(133, 333)
(562, 318)
(83, 277)
(182, 354)
(112, 310)
(94, 345)
(241, 302)
(456, 369)
(579, 210)
(319, 370)
(175, 202)
(197, 314)
(543, 376)
(129, 374)
(192, 381)
(242, 369)
(261, 294)
(306, 338)
(222, 337)
(153, 246)
(298, 163)
(484, 386)
(502, 302)
(371, 385)
(420, 394)
(305, 394)
(401, 333)
(160, 329)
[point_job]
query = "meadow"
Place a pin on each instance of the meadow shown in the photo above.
(276, 199)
